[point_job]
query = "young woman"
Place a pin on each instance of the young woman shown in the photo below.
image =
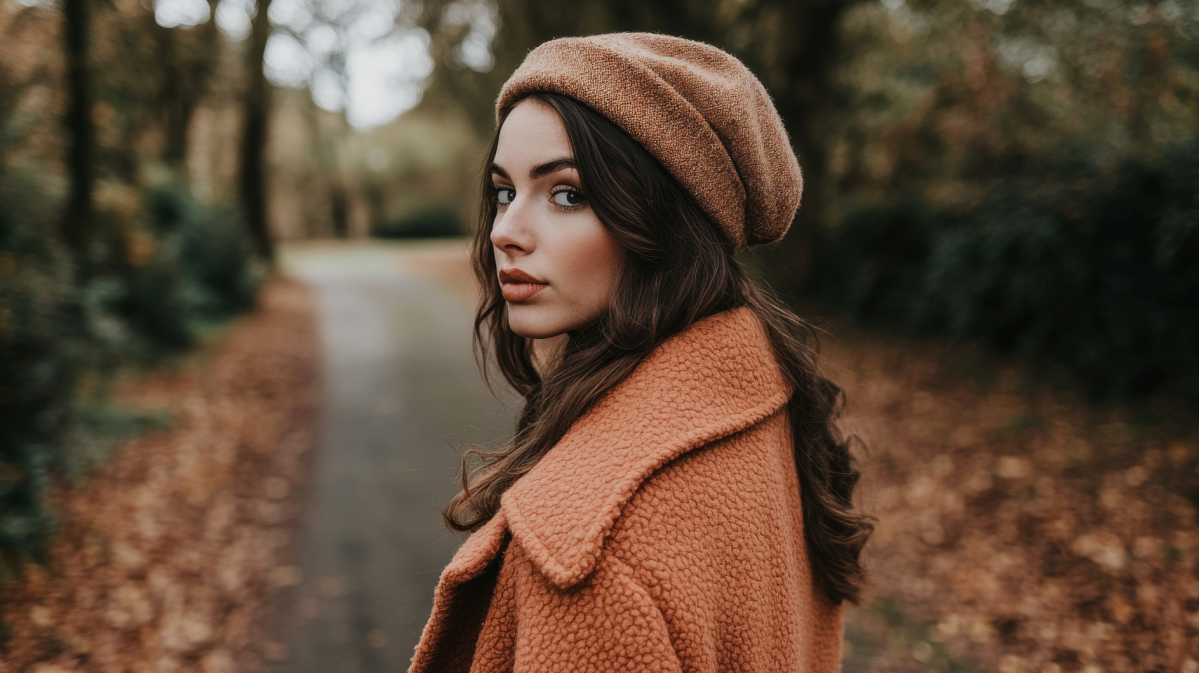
(677, 496)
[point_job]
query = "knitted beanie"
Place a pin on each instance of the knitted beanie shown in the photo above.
(698, 110)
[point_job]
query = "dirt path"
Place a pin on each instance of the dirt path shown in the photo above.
(401, 392)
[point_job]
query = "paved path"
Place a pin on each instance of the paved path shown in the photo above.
(401, 393)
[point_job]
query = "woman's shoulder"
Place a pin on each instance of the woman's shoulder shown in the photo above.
(724, 473)
(718, 492)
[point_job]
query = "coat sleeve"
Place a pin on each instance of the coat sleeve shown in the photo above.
(606, 623)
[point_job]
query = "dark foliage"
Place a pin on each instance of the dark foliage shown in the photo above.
(40, 360)
(427, 222)
(1101, 276)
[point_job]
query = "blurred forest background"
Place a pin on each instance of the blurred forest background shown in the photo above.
(1016, 174)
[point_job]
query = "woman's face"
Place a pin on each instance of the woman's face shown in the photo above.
(557, 264)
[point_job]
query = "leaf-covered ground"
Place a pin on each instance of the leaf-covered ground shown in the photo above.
(1021, 528)
(168, 556)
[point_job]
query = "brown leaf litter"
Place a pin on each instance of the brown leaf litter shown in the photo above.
(1022, 528)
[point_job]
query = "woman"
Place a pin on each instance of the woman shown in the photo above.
(676, 497)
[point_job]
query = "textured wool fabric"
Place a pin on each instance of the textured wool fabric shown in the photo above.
(662, 533)
(698, 110)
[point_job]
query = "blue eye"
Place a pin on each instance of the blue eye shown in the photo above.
(504, 195)
(569, 198)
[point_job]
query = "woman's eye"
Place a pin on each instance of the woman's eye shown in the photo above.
(504, 195)
(568, 198)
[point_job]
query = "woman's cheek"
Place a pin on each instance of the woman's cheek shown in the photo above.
(582, 253)
(574, 271)
(599, 259)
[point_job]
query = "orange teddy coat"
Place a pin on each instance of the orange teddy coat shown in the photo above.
(662, 533)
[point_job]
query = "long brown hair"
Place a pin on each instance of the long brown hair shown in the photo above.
(677, 270)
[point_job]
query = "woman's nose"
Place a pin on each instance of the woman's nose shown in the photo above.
(510, 232)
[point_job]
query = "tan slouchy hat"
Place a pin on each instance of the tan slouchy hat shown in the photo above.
(698, 110)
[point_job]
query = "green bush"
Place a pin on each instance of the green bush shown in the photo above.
(1099, 273)
(202, 270)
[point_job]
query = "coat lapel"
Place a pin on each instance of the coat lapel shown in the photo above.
(713, 380)
(473, 557)
(460, 603)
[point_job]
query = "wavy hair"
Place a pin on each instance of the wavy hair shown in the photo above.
(676, 270)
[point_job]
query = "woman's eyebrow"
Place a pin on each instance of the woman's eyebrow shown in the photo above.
(539, 170)
(551, 166)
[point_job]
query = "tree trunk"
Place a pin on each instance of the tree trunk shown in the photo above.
(188, 70)
(78, 217)
(806, 107)
(340, 209)
(254, 136)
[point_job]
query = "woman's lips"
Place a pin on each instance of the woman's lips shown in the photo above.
(520, 291)
(517, 285)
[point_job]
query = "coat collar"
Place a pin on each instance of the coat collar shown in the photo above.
(714, 379)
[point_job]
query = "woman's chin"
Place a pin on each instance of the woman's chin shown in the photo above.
(537, 322)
